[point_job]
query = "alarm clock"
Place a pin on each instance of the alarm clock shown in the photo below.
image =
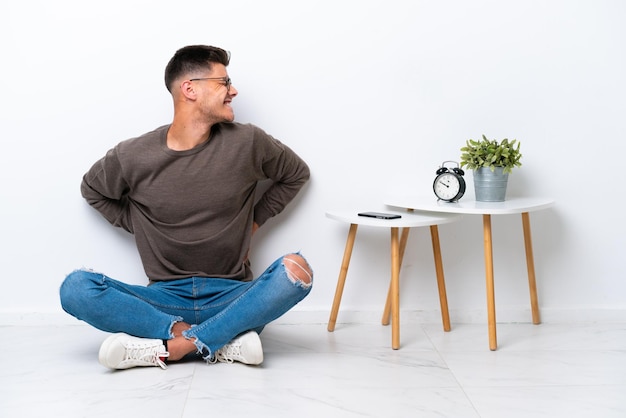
(449, 185)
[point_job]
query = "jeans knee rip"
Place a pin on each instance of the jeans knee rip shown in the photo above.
(293, 277)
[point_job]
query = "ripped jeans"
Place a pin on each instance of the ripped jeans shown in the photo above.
(218, 309)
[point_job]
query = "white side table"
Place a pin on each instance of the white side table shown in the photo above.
(515, 205)
(407, 221)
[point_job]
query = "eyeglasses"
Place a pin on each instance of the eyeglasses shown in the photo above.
(226, 80)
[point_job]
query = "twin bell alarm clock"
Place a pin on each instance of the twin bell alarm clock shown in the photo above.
(449, 185)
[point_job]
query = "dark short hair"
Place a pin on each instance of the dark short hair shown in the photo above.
(193, 58)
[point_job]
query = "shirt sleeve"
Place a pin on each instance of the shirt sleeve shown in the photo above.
(288, 173)
(106, 190)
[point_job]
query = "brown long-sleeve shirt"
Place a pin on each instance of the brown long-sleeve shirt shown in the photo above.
(192, 211)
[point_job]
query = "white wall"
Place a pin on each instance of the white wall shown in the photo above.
(374, 95)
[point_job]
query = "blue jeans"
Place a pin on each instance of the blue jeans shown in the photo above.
(218, 309)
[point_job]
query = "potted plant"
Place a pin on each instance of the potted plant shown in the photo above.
(491, 161)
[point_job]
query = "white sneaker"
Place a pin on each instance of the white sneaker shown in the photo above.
(122, 351)
(245, 349)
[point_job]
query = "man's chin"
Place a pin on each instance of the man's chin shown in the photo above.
(229, 117)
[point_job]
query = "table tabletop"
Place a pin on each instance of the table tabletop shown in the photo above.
(407, 220)
(470, 206)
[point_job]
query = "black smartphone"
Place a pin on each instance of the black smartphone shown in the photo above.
(380, 215)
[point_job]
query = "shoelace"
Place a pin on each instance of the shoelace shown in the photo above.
(227, 353)
(151, 355)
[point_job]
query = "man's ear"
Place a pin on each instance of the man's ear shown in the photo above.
(187, 90)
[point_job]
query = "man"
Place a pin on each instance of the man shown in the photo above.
(187, 193)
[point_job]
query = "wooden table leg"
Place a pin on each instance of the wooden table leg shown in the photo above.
(387, 311)
(491, 304)
(530, 264)
(441, 283)
(343, 272)
(395, 289)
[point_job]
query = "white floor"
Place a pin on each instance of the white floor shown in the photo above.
(574, 370)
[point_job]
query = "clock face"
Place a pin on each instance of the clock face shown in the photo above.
(447, 186)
